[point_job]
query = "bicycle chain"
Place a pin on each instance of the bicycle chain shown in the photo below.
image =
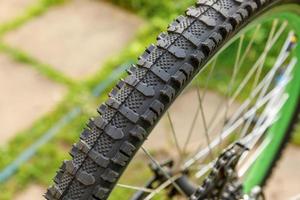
(222, 182)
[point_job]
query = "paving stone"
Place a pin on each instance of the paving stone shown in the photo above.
(284, 183)
(78, 36)
(12, 8)
(25, 96)
(33, 192)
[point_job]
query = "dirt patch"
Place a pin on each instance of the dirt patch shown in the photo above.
(12, 8)
(33, 192)
(25, 97)
(78, 37)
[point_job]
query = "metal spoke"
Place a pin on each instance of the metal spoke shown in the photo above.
(260, 59)
(251, 139)
(237, 122)
(216, 114)
(189, 135)
(204, 152)
(187, 141)
(277, 102)
(253, 94)
(212, 68)
(174, 135)
(271, 35)
(205, 169)
(250, 73)
(257, 76)
(273, 108)
(249, 46)
(271, 96)
(258, 132)
(161, 187)
(229, 88)
(236, 69)
(229, 130)
(147, 190)
(204, 124)
(231, 83)
(167, 176)
(265, 121)
(278, 63)
(244, 168)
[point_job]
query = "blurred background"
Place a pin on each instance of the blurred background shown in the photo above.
(58, 59)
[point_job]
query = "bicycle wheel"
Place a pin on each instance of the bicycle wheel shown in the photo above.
(213, 55)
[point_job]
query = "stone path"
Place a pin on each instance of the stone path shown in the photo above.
(25, 97)
(75, 38)
(78, 37)
(12, 8)
(33, 192)
(285, 181)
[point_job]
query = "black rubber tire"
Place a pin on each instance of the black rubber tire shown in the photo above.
(137, 103)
